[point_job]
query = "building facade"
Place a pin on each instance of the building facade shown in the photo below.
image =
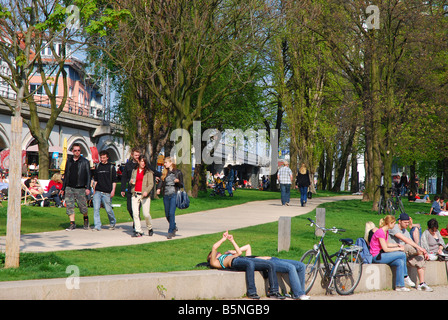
(81, 121)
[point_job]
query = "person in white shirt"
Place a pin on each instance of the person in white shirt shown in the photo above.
(285, 179)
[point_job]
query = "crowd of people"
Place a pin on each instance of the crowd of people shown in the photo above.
(82, 183)
(391, 243)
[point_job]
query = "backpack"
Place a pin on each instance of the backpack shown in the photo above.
(365, 253)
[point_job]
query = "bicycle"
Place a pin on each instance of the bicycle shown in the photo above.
(396, 200)
(342, 274)
(385, 206)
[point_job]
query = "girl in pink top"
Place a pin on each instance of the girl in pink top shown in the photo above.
(391, 254)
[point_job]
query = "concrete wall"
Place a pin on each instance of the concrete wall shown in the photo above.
(200, 284)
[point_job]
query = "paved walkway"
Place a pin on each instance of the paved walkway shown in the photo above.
(189, 225)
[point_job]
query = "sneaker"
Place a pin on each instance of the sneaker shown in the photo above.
(137, 235)
(408, 282)
(170, 235)
(95, 229)
(150, 233)
(424, 287)
(275, 295)
(402, 289)
(254, 296)
(71, 227)
(304, 297)
(86, 224)
(112, 227)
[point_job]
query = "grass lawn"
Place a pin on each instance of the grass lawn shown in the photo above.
(37, 219)
(184, 254)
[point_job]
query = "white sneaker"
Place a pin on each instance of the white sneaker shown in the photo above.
(408, 282)
(402, 289)
(424, 287)
(304, 297)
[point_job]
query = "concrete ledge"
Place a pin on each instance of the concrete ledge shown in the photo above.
(200, 284)
(382, 277)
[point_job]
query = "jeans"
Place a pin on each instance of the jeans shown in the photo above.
(55, 197)
(169, 201)
(296, 272)
(103, 197)
(303, 195)
(249, 265)
(396, 259)
(285, 190)
(229, 186)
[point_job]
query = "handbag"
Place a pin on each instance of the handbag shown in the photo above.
(182, 200)
(310, 195)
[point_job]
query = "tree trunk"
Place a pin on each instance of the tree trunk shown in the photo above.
(44, 159)
(445, 178)
(13, 226)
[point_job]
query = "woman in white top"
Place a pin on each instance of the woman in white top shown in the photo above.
(432, 240)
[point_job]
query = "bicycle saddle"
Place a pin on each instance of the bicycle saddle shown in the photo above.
(347, 241)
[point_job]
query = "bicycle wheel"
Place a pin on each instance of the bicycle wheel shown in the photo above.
(390, 209)
(312, 264)
(400, 205)
(381, 205)
(348, 273)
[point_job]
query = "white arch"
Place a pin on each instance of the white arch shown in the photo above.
(29, 138)
(84, 145)
(114, 156)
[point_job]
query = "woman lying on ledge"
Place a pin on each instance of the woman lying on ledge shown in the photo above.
(232, 259)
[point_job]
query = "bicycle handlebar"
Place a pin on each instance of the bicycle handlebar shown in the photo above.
(333, 229)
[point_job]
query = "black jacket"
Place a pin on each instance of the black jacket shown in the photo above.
(303, 180)
(178, 175)
(84, 175)
(105, 175)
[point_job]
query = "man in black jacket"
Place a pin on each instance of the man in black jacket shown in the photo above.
(76, 186)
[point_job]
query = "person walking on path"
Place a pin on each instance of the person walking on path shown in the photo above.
(76, 186)
(230, 179)
(303, 183)
(104, 183)
(171, 182)
(285, 179)
(126, 176)
(142, 183)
